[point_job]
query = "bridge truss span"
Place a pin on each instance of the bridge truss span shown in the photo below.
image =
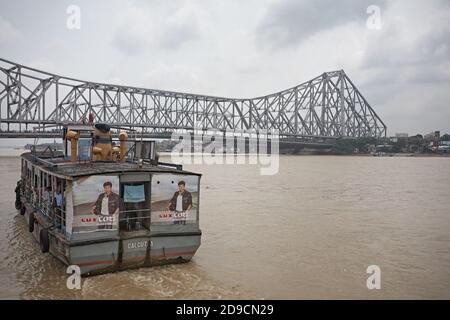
(328, 106)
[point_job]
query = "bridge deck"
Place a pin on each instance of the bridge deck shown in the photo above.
(329, 105)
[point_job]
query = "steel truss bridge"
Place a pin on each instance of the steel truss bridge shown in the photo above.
(326, 107)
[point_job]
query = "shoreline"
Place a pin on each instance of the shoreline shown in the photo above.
(397, 155)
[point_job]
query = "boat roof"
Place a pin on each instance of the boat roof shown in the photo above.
(59, 166)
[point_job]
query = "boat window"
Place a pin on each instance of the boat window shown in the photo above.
(24, 168)
(58, 199)
(134, 193)
(47, 193)
(68, 152)
(84, 148)
(135, 214)
(46, 199)
(35, 183)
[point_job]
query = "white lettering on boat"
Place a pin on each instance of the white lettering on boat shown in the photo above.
(139, 244)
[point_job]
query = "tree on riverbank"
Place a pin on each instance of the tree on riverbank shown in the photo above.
(348, 145)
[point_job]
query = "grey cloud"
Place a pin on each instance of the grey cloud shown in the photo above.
(168, 38)
(128, 43)
(214, 47)
(408, 57)
(430, 48)
(8, 33)
(405, 66)
(164, 27)
(175, 36)
(289, 22)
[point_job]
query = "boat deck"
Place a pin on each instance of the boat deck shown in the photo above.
(70, 169)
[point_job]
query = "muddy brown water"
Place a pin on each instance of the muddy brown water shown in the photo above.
(310, 231)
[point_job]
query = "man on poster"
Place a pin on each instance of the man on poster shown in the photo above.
(107, 207)
(180, 203)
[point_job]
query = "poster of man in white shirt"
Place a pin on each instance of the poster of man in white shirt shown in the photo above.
(174, 199)
(180, 203)
(96, 203)
(107, 207)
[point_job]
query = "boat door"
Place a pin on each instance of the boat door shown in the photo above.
(135, 194)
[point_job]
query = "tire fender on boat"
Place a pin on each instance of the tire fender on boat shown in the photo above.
(31, 221)
(44, 240)
(18, 203)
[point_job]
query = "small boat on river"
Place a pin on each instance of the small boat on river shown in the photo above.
(106, 203)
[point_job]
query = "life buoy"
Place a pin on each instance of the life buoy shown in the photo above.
(44, 240)
(31, 220)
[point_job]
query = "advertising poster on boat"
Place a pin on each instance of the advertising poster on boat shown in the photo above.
(96, 204)
(174, 199)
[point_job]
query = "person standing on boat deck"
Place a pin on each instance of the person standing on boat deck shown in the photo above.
(58, 207)
(47, 198)
(181, 201)
(107, 204)
(58, 199)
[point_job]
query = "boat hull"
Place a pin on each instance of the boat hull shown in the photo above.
(119, 252)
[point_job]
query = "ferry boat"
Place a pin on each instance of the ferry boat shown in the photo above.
(106, 203)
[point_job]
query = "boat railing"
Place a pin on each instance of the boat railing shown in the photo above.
(134, 219)
(55, 214)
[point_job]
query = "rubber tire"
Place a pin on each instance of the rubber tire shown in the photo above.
(44, 240)
(31, 220)
(22, 210)
(18, 204)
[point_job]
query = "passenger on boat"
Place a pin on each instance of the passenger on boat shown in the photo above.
(46, 194)
(58, 209)
(47, 198)
(58, 199)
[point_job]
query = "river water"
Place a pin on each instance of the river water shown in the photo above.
(310, 231)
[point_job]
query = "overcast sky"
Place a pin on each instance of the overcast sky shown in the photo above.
(247, 48)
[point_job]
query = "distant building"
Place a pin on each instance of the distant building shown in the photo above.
(393, 139)
(401, 135)
(398, 137)
(432, 136)
(384, 148)
(443, 146)
(415, 143)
